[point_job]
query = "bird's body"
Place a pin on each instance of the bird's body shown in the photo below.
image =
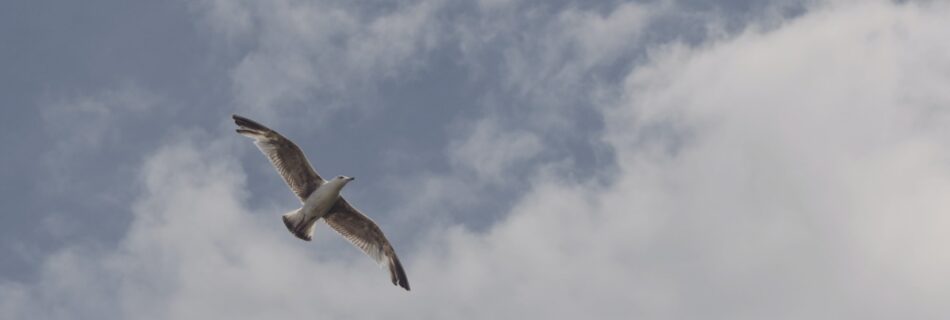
(300, 222)
(321, 199)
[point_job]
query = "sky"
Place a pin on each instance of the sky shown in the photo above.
(665, 159)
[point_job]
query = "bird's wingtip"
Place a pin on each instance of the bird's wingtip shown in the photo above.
(398, 274)
(249, 124)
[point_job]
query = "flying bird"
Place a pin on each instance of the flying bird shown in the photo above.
(321, 199)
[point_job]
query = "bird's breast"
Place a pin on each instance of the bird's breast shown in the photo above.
(320, 201)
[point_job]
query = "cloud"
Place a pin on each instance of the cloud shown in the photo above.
(490, 151)
(327, 51)
(797, 172)
(549, 59)
(81, 131)
(87, 122)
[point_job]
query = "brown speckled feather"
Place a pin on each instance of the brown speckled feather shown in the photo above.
(287, 158)
(363, 233)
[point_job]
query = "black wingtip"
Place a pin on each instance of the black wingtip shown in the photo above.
(238, 119)
(248, 123)
(397, 274)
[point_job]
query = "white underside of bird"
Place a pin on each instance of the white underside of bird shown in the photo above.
(318, 204)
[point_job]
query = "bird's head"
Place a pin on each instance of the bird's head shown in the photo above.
(344, 179)
(339, 182)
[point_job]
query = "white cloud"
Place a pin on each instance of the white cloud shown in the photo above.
(549, 61)
(329, 50)
(796, 173)
(491, 151)
(802, 173)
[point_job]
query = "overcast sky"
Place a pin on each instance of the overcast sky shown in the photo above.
(527, 159)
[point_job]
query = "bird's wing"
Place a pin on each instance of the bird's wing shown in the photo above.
(286, 157)
(366, 235)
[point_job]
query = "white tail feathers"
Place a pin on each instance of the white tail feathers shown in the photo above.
(298, 224)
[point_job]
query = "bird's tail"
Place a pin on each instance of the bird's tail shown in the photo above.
(299, 224)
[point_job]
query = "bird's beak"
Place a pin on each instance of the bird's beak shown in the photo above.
(351, 178)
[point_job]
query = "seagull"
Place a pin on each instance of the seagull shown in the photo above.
(321, 199)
